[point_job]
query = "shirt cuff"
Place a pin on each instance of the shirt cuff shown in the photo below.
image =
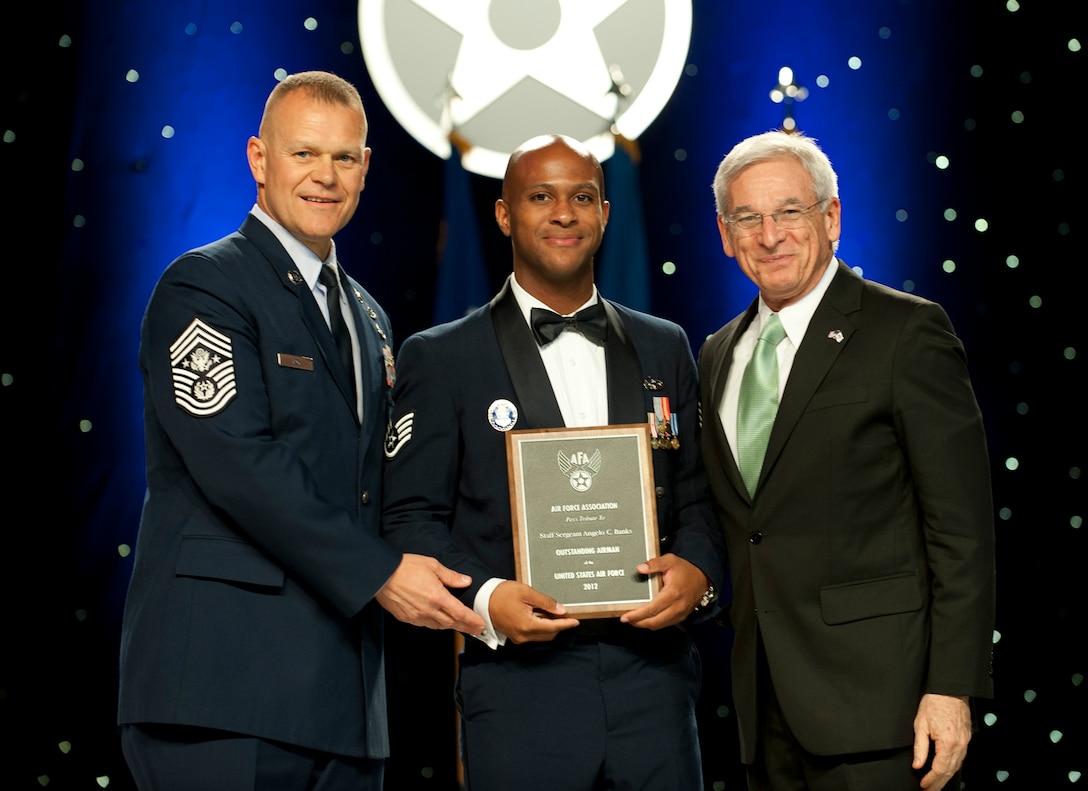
(482, 605)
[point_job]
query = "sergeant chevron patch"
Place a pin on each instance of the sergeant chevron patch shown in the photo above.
(203, 370)
(397, 434)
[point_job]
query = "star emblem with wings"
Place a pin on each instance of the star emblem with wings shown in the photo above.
(580, 468)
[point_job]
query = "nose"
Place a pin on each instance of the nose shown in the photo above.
(769, 231)
(323, 172)
(564, 213)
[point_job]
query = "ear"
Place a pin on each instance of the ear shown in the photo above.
(833, 218)
(366, 168)
(727, 240)
(604, 213)
(502, 216)
(255, 154)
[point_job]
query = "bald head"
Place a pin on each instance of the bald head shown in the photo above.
(548, 144)
(554, 211)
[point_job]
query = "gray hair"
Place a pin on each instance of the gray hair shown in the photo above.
(775, 145)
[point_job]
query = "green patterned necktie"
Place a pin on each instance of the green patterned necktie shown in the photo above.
(758, 402)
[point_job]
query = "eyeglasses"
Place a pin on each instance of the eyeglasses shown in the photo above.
(783, 218)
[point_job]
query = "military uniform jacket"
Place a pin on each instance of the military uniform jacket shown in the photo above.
(250, 607)
(446, 484)
(865, 559)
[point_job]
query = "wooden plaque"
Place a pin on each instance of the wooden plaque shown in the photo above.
(584, 515)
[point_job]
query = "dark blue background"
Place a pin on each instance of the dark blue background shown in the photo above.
(99, 201)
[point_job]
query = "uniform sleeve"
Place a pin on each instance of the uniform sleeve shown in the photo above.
(423, 464)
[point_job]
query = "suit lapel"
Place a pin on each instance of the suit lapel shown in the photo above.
(626, 396)
(536, 400)
(817, 353)
(721, 364)
(719, 371)
(373, 346)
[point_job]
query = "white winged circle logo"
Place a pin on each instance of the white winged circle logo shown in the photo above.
(580, 468)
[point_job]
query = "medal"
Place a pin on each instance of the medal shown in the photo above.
(390, 370)
(664, 426)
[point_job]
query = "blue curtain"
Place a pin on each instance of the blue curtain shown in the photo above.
(462, 271)
(623, 265)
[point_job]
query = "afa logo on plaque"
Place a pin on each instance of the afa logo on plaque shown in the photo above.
(501, 71)
(580, 468)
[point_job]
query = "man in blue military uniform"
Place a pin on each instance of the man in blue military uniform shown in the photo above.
(251, 653)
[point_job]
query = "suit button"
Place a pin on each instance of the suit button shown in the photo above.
(755, 537)
(365, 497)
(659, 491)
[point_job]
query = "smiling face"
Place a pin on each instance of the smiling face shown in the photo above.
(784, 263)
(554, 212)
(310, 165)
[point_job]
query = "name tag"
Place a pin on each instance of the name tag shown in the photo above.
(295, 361)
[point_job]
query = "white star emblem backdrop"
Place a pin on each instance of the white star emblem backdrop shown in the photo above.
(501, 71)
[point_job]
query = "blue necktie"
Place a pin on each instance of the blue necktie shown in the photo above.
(758, 402)
(331, 280)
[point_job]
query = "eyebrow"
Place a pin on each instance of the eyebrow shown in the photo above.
(785, 202)
(310, 144)
(581, 186)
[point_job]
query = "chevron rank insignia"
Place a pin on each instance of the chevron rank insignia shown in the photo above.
(202, 367)
(397, 434)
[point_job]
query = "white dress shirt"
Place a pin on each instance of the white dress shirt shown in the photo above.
(576, 369)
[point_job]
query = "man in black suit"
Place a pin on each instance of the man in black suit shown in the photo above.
(547, 701)
(252, 649)
(861, 543)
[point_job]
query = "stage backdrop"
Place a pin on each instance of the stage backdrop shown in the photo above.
(954, 130)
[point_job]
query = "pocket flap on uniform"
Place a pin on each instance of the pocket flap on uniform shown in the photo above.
(226, 559)
(855, 601)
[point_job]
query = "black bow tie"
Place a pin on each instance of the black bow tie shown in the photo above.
(591, 322)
